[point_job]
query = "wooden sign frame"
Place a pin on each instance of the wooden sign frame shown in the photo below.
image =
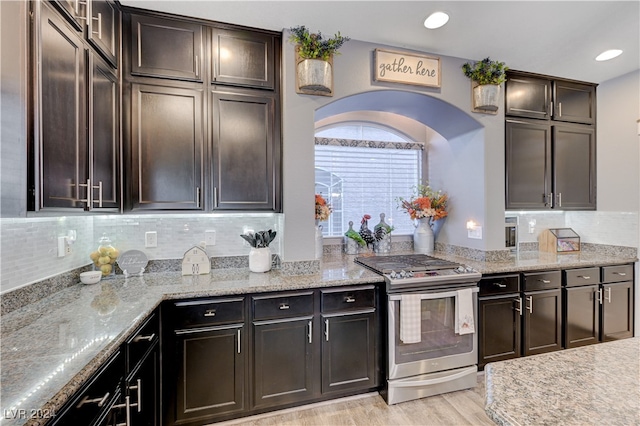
(406, 68)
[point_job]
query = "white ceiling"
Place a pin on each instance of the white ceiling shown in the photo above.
(559, 38)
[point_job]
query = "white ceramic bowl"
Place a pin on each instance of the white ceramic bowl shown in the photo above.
(90, 277)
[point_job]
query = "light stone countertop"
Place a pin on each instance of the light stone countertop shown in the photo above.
(591, 385)
(49, 348)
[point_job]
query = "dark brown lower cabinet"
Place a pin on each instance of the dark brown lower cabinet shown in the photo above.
(617, 311)
(542, 331)
(283, 361)
(499, 331)
(142, 389)
(210, 376)
(581, 315)
(348, 352)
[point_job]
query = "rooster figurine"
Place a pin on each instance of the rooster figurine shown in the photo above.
(365, 232)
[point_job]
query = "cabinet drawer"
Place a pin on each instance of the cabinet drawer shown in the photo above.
(139, 343)
(502, 284)
(198, 313)
(580, 277)
(348, 299)
(612, 274)
(541, 280)
(282, 305)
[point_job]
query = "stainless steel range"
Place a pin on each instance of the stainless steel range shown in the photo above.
(432, 312)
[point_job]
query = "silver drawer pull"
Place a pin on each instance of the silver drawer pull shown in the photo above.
(210, 313)
(87, 400)
(349, 299)
(147, 338)
(544, 281)
(500, 285)
(283, 306)
(584, 276)
(622, 274)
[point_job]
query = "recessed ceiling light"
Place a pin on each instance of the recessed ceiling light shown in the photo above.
(608, 54)
(436, 20)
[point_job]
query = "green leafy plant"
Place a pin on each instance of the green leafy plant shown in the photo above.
(260, 239)
(313, 45)
(486, 71)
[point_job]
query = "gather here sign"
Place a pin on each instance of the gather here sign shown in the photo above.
(406, 68)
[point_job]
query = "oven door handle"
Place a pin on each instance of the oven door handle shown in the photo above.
(435, 295)
(416, 383)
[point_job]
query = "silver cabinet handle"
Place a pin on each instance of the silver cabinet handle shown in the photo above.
(544, 281)
(284, 306)
(238, 340)
(622, 274)
(500, 285)
(147, 338)
(127, 408)
(559, 109)
(349, 299)
(99, 19)
(559, 199)
(519, 307)
(599, 296)
(197, 66)
(100, 400)
(550, 200)
(609, 294)
(198, 197)
(551, 108)
(530, 304)
(586, 277)
(310, 331)
(138, 389)
(215, 196)
(326, 330)
(210, 313)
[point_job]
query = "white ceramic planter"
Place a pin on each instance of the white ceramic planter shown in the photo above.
(314, 75)
(260, 259)
(423, 238)
(486, 97)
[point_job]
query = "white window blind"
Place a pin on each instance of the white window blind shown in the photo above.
(366, 177)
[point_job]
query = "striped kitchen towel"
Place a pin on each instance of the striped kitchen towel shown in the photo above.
(410, 318)
(465, 323)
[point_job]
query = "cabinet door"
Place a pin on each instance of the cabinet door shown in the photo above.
(211, 367)
(103, 28)
(574, 153)
(581, 316)
(167, 145)
(542, 322)
(617, 311)
(143, 390)
(528, 97)
(104, 147)
(166, 48)
(528, 165)
(243, 58)
(349, 348)
(243, 152)
(574, 102)
(282, 367)
(74, 11)
(499, 330)
(62, 115)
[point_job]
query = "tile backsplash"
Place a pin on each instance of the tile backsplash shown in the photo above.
(28, 250)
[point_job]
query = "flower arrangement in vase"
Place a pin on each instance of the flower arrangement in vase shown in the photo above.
(427, 206)
(323, 211)
(260, 253)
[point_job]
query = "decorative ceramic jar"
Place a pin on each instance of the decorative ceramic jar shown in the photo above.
(260, 259)
(423, 238)
(319, 244)
(382, 232)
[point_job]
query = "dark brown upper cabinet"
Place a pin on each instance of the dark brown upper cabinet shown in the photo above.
(74, 11)
(244, 152)
(574, 102)
(574, 167)
(166, 48)
(528, 97)
(166, 148)
(103, 29)
(242, 58)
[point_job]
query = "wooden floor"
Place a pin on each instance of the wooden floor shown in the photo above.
(456, 408)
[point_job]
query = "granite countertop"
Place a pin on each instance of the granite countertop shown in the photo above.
(50, 347)
(591, 385)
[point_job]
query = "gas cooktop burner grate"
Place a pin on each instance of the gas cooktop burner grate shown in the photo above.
(408, 263)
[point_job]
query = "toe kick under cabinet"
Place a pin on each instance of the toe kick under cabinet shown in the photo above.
(228, 357)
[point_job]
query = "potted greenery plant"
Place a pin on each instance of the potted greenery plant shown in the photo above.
(488, 75)
(314, 60)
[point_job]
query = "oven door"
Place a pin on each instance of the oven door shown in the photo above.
(440, 347)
